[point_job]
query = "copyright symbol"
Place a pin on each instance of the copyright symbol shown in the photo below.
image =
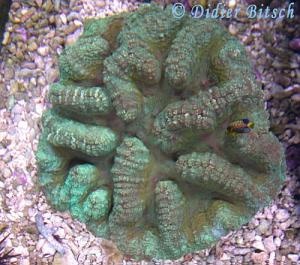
(178, 10)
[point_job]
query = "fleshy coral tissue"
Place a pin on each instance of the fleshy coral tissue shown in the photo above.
(136, 143)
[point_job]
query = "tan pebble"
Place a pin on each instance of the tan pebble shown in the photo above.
(19, 54)
(15, 6)
(277, 241)
(26, 72)
(43, 51)
(225, 257)
(69, 258)
(9, 73)
(25, 261)
(47, 249)
(33, 81)
(259, 258)
(14, 18)
(48, 6)
(39, 62)
(249, 236)
(14, 86)
(29, 65)
(60, 233)
(52, 19)
(63, 18)
(72, 246)
(293, 257)
(296, 97)
(52, 75)
(269, 244)
(77, 23)
(21, 250)
(35, 17)
(2, 151)
(6, 38)
(6, 172)
(24, 11)
(282, 215)
(264, 226)
(258, 245)
(27, 14)
(233, 29)
(241, 251)
(50, 34)
(72, 16)
(42, 81)
(240, 241)
(100, 3)
(72, 38)
(12, 48)
(39, 2)
(272, 258)
(58, 260)
(70, 28)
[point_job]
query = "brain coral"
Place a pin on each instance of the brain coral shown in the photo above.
(135, 145)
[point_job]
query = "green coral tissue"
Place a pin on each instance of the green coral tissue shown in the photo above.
(136, 144)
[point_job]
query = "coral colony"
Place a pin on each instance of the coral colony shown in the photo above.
(136, 144)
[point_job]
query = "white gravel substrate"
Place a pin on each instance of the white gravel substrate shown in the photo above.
(28, 64)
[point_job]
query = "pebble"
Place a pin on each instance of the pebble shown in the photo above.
(39, 3)
(264, 226)
(272, 258)
(41, 81)
(43, 51)
(259, 258)
(29, 65)
(60, 233)
(258, 245)
(241, 251)
(233, 29)
(68, 258)
(249, 236)
(39, 62)
(72, 38)
(269, 244)
(9, 73)
(100, 3)
(52, 75)
(284, 225)
(47, 249)
(6, 38)
(293, 257)
(283, 80)
(282, 215)
(296, 97)
(63, 18)
(73, 16)
(295, 44)
(277, 241)
(225, 257)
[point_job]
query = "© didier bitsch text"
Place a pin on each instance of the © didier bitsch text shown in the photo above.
(221, 11)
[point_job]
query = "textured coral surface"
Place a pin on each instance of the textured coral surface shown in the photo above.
(135, 145)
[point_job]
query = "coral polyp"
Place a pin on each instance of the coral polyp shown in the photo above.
(136, 143)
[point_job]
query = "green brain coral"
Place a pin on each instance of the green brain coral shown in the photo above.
(135, 145)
